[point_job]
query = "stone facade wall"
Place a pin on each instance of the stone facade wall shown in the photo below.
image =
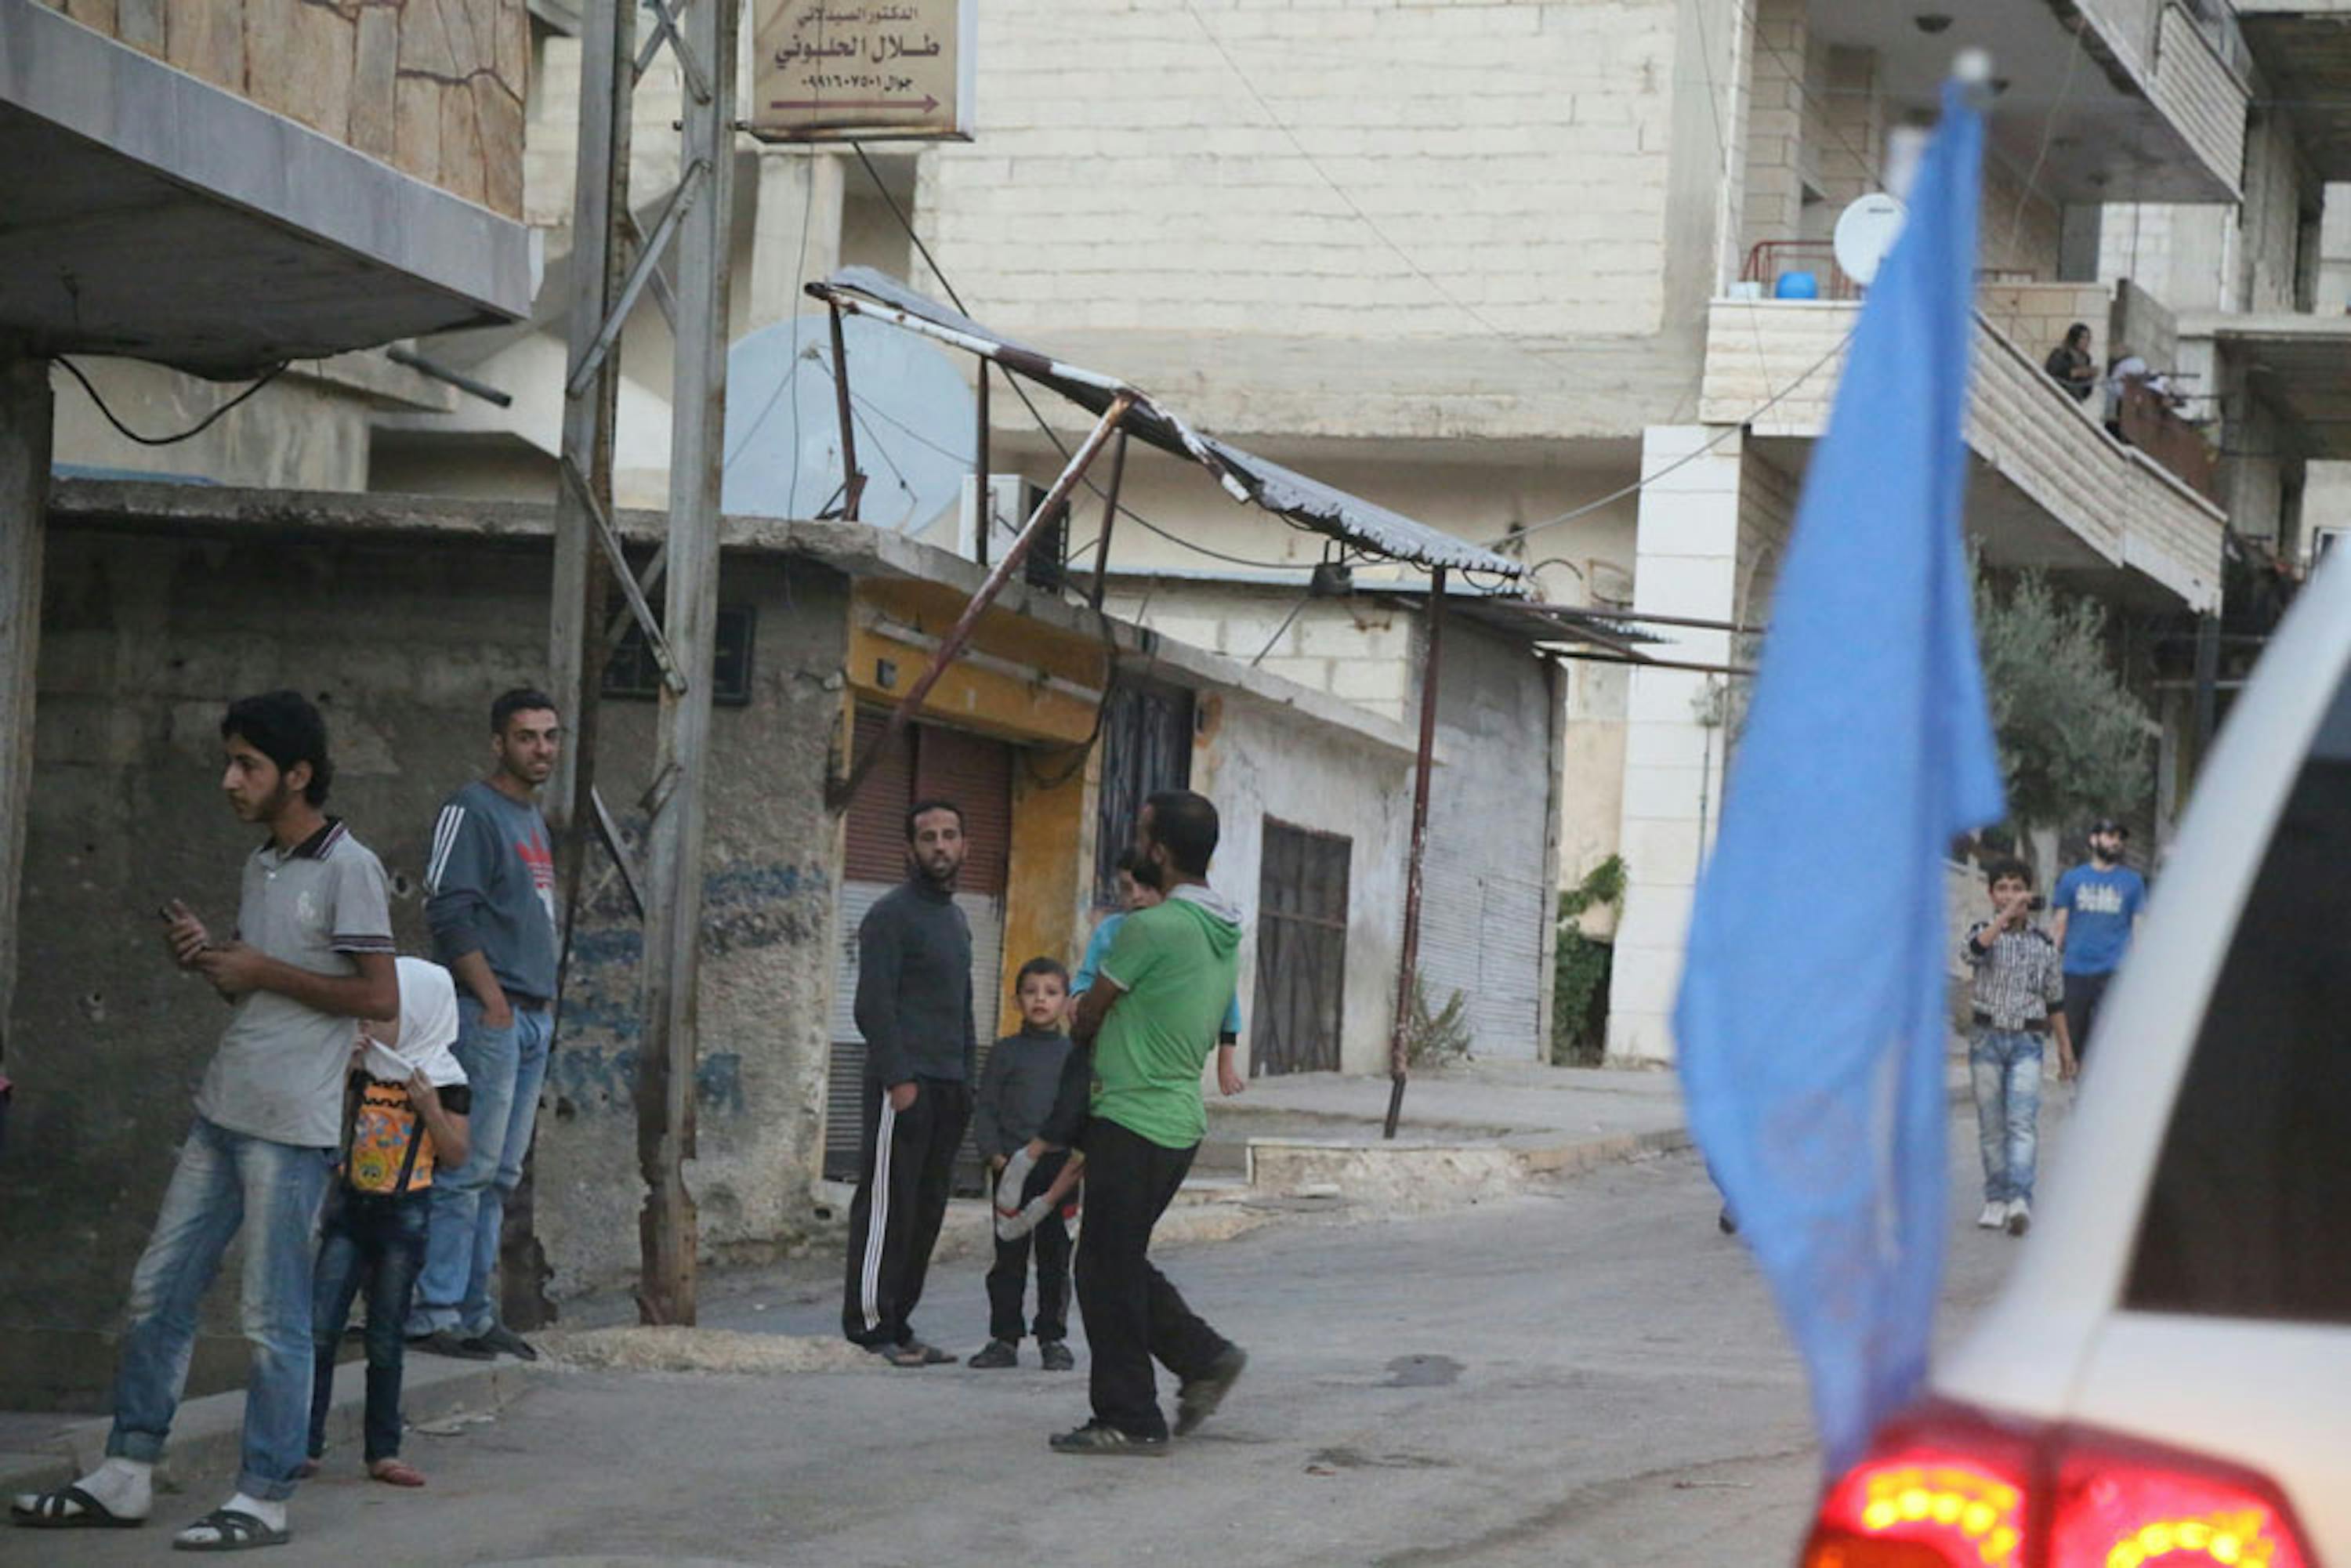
(2021, 230)
(1775, 126)
(2035, 315)
(146, 636)
(434, 88)
(2270, 220)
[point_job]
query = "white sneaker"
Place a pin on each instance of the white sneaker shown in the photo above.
(1994, 1216)
(2020, 1217)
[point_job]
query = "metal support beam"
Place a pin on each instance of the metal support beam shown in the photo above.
(648, 262)
(616, 847)
(665, 30)
(1408, 962)
(666, 1053)
(576, 653)
(609, 538)
(1001, 573)
(1110, 520)
(2208, 672)
(852, 481)
(27, 422)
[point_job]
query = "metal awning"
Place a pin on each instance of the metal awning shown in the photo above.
(1359, 525)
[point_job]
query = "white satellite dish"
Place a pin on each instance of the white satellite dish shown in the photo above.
(914, 422)
(1865, 231)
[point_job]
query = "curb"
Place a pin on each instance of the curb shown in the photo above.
(1421, 1173)
(207, 1435)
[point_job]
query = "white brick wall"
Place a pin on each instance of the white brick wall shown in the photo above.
(1125, 179)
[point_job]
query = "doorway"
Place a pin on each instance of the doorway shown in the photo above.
(1301, 950)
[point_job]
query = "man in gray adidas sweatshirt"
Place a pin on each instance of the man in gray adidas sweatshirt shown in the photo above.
(914, 1008)
(490, 880)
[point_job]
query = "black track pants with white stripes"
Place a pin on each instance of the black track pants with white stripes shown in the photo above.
(905, 1167)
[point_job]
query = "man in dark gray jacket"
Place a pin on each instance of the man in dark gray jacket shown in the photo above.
(491, 882)
(914, 1008)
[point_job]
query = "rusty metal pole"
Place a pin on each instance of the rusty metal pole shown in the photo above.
(1110, 518)
(668, 1232)
(981, 508)
(1409, 964)
(952, 643)
(853, 482)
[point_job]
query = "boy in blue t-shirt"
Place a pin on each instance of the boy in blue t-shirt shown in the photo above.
(2095, 908)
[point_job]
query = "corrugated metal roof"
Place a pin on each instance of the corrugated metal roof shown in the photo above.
(1358, 523)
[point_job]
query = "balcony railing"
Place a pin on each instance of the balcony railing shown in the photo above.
(1772, 366)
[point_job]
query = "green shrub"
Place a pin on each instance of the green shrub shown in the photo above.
(1580, 968)
(1434, 1040)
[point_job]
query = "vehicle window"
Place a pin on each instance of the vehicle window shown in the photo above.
(2247, 1214)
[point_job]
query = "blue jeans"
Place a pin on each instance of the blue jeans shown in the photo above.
(505, 1069)
(222, 1178)
(375, 1240)
(2006, 1067)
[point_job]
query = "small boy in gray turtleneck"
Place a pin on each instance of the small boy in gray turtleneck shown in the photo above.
(1016, 1090)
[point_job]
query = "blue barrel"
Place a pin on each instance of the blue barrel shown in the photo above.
(1797, 285)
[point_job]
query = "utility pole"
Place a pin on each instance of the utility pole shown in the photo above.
(613, 266)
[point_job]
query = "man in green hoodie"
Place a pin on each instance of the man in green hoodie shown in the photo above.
(1151, 1020)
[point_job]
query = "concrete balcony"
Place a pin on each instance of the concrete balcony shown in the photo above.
(2303, 48)
(225, 186)
(2295, 365)
(2050, 488)
(2153, 110)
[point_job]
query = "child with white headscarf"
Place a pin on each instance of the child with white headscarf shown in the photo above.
(404, 1115)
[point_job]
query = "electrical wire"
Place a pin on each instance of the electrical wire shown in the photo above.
(1687, 458)
(193, 431)
(1508, 339)
(2048, 136)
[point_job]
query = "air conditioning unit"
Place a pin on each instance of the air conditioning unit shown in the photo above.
(992, 517)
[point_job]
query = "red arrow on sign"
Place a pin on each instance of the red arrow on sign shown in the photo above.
(928, 103)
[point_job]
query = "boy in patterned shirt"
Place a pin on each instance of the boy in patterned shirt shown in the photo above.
(2019, 992)
(404, 1116)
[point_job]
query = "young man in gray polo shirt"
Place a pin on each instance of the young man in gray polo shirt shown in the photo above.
(312, 952)
(491, 882)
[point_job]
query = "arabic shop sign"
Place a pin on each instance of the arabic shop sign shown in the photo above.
(831, 70)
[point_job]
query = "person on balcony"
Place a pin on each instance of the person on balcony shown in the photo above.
(2071, 365)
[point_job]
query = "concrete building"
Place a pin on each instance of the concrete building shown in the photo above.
(1513, 268)
(403, 617)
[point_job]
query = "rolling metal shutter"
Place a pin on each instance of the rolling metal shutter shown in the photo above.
(977, 774)
(1484, 904)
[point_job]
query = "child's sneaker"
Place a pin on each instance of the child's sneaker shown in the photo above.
(996, 1353)
(1056, 1356)
(1994, 1216)
(2020, 1217)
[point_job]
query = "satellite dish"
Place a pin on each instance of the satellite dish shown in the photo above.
(913, 412)
(1865, 231)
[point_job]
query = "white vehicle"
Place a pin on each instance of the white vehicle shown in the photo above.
(2166, 1380)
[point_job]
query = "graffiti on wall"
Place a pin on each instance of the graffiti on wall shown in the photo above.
(592, 1080)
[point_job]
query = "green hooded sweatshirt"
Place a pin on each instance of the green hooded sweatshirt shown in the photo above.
(1174, 965)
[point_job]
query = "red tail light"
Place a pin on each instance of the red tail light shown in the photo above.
(1949, 1488)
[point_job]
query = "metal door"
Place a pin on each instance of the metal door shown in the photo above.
(1301, 950)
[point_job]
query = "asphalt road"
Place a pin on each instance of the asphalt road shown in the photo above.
(1588, 1375)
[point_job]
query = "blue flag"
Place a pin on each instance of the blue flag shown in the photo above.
(1812, 1020)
